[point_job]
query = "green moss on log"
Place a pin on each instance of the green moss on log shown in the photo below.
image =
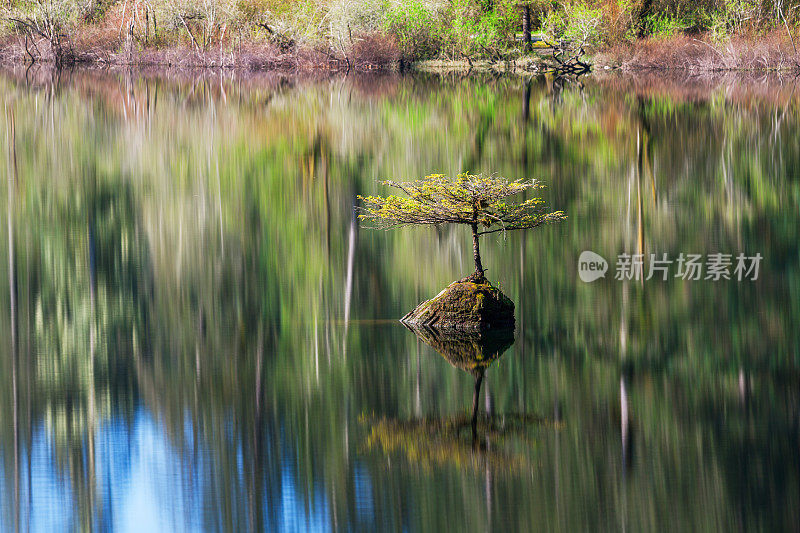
(465, 305)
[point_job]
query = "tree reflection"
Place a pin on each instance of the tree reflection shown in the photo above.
(161, 305)
(472, 352)
(461, 440)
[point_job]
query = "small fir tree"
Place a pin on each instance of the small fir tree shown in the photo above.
(477, 201)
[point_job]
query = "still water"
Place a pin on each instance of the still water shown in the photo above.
(198, 336)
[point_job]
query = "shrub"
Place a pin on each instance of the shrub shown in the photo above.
(618, 22)
(51, 20)
(496, 29)
(720, 30)
(374, 50)
(576, 23)
(93, 10)
(664, 25)
(415, 28)
(349, 18)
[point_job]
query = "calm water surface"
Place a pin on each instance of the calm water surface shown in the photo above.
(197, 335)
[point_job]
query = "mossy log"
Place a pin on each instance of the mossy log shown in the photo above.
(466, 305)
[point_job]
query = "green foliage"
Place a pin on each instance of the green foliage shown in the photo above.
(663, 25)
(576, 22)
(204, 22)
(737, 13)
(50, 15)
(496, 28)
(421, 29)
(416, 29)
(719, 28)
(733, 16)
(469, 199)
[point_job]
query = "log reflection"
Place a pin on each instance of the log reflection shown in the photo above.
(469, 439)
(470, 352)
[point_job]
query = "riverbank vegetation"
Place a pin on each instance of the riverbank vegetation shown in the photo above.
(710, 34)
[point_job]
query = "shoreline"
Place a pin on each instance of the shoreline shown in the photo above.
(119, 83)
(677, 55)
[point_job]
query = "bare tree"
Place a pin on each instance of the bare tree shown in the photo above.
(46, 20)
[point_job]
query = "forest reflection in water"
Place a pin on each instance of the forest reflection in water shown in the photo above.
(200, 336)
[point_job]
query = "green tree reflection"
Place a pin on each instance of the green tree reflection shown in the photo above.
(190, 249)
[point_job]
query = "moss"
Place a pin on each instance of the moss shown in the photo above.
(465, 305)
(478, 302)
(472, 351)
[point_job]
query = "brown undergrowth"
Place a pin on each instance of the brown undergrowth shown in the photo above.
(104, 47)
(774, 51)
(773, 89)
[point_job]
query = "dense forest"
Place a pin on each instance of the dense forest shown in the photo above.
(378, 33)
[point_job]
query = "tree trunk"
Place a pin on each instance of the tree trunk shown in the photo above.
(12, 292)
(526, 113)
(646, 6)
(476, 251)
(475, 397)
(526, 28)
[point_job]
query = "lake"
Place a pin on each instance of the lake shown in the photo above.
(198, 335)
